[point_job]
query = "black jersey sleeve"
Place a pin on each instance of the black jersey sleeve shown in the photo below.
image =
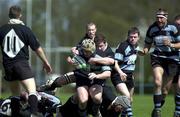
(121, 47)
(32, 40)
(110, 52)
(149, 36)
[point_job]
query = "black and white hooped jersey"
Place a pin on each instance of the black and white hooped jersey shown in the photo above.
(14, 42)
(126, 55)
(157, 35)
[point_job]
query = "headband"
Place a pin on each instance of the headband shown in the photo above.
(164, 15)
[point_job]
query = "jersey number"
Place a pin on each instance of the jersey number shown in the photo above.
(11, 44)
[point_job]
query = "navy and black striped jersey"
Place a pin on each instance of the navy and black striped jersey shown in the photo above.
(14, 42)
(156, 35)
(126, 55)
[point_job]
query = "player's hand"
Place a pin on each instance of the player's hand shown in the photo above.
(69, 60)
(92, 76)
(47, 68)
(166, 42)
(75, 51)
(141, 52)
(123, 76)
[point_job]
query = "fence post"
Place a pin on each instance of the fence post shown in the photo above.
(141, 76)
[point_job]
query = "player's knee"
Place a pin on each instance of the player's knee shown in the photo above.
(83, 100)
(158, 84)
(97, 100)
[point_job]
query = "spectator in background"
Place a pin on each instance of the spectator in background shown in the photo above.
(164, 58)
(15, 38)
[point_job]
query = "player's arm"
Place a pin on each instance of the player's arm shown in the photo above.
(103, 75)
(175, 45)
(103, 61)
(167, 42)
(118, 69)
(145, 50)
(74, 50)
(39, 51)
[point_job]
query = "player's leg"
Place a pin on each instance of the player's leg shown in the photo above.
(129, 110)
(64, 79)
(95, 92)
(157, 96)
(53, 83)
(121, 88)
(165, 89)
(70, 107)
(130, 85)
(30, 86)
(12, 77)
(82, 92)
(177, 96)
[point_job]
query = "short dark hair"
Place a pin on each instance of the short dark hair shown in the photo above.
(133, 30)
(14, 12)
(99, 38)
(177, 17)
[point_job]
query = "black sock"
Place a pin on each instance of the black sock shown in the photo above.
(177, 103)
(95, 108)
(82, 112)
(55, 84)
(33, 102)
(157, 101)
(15, 106)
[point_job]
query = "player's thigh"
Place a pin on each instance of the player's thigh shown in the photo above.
(82, 93)
(166, 85)
(29, 84)
(96, 92)
(178, 84)
(158, 73)
(122, 88)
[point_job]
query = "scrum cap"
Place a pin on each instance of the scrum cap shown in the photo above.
(123, 101)
(88, 45)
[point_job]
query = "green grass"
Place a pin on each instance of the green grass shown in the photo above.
(142, 104)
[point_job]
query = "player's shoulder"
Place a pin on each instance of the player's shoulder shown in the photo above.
(123, 44)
